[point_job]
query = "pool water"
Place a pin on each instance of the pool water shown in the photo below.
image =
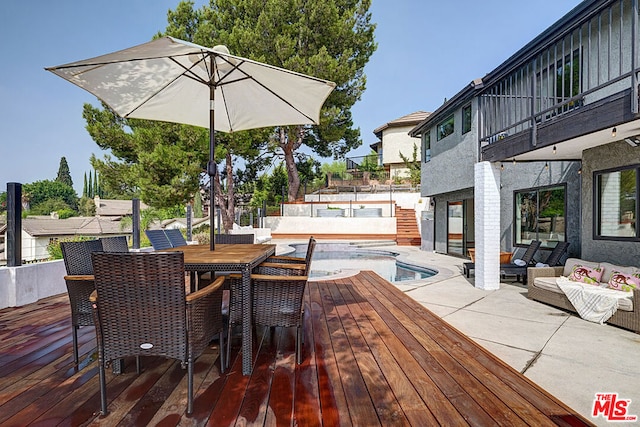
(325, 263)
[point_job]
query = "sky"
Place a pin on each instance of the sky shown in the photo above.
(427, 51)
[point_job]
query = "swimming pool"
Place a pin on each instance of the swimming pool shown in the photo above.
(330, 259)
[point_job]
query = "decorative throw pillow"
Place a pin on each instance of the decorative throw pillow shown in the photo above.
(586, 274)
(623, 281)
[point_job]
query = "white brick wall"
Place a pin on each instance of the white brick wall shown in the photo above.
(487, 225)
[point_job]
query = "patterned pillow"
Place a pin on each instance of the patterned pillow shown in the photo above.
(584, 274)
(623, 281)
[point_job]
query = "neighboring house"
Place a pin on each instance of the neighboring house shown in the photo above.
(37, 233)
(114, 208)
(393, 140)
(181, 223)
(546, 146)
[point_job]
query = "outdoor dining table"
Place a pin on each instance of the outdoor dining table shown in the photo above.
(241, 258)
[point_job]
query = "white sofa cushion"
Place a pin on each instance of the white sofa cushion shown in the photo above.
(549, 284)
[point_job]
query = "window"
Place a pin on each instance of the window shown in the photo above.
(466, 119)
(445, 128)
(616, 204)
(426, 145)
(540, 215)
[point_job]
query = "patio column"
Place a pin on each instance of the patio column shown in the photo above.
(487, 225)
(13, 245)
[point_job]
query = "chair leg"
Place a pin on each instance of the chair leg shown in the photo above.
(103, 387)
(228, 358)
(223, 351)
(75, 344)
(190, 387)
(299, 344)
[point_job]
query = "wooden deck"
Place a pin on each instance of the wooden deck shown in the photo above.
(372, 356)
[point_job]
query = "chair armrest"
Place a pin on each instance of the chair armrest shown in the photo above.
(533, 272)
(286, 259)
(269, 278)
(280, 269)
(88, 277)
(210, 288)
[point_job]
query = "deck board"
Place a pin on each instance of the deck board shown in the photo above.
(371, 356)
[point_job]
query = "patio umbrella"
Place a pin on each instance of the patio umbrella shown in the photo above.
(172, 80)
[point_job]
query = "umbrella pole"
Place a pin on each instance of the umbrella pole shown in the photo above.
(212, 168)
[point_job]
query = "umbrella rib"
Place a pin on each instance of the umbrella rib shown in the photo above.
(187, 73)
(247, 76)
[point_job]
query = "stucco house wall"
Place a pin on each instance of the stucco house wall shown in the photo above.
(522, 176)
(452, 159)
(596, 159)
(395, 140)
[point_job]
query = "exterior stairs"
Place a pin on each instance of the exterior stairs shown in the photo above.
(407, 232)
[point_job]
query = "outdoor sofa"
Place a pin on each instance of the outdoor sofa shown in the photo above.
(542, 287)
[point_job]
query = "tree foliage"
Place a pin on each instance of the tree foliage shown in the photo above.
(413, 165)
(331, 39)
(64, 176)
(161, 163)
(38, 192)
(3, 201)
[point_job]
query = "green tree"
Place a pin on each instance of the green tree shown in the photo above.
(84, 187)
(269, 187)
(197, 205)
(331, 39)
(413, 165)
(87, 206)
(64, 176)
(41, 191)
(3, 201)
(161, 163)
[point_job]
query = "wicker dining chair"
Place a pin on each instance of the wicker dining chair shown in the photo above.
(79, 281)
(115, 244)
(269, 266)
(175, 237)
(243, 239)
(158, 239)
(277, 301)
(141, 309)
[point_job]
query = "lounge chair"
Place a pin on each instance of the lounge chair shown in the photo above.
(556, 255)
(519, 269)
(158, 239)
(175, 237)
(512, 268)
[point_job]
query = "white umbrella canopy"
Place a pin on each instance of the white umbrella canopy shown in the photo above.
(172, 80)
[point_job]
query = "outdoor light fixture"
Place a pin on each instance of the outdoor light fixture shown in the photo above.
(580, 171)
(614, 131)
(554, 149)
(546, 165)
(633, 141)
(514, 160)
(501, 166)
